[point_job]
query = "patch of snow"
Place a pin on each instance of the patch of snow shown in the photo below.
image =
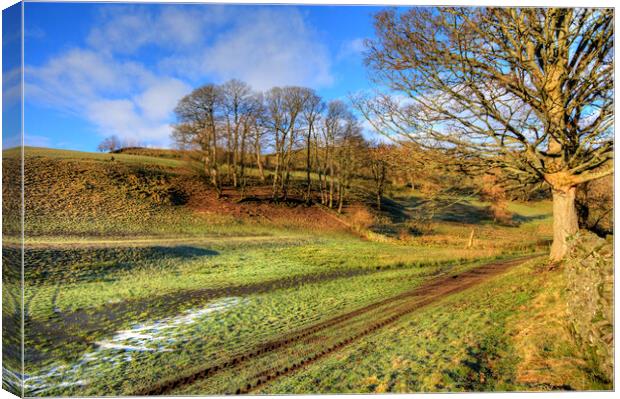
(156, 336)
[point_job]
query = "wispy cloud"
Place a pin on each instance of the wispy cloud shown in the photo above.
(11, 87)
(352, 48)
(269, 48)
(34, 32)
(117, 97)
(126, 29)
(263, 46)
(36, 141)
(110, 84)
(76, 76)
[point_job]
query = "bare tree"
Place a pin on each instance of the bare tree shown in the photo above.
(259, 132)
(109, 144)
(284, 106)
(237, 103)
(528, 90)
(378, 155)
(295, 102)
(349, 153)
(198, 114)
(333, 127)
(252, 112)
(276, 120)
(312, 111)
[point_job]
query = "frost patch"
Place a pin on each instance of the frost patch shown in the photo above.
(157, 336)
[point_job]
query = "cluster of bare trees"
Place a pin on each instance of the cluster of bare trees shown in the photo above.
(113, 143)
(234, 128)
(527, 92)
(109, 144)
(211, 115)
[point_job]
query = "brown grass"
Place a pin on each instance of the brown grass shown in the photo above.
(257, 206)
(549, 358)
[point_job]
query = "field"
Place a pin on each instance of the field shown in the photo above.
(138, 281)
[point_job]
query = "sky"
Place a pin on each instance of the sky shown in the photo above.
(11, 77)
(93, 70)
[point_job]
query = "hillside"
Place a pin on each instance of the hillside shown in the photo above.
(131, 261)
(72, 193)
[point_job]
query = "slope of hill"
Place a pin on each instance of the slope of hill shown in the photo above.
(131, 261)
(74, 193)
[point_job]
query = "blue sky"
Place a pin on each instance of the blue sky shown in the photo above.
(93, 70)
(11, 77)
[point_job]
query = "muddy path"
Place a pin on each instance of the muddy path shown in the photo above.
(300, 348)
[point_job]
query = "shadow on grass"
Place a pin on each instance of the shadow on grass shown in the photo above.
(71, 265)
(402, 209)
(81, 328)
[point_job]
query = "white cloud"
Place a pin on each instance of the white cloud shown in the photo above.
(158, 100)
(11, 87)
(124, 119)
(268, 48)
(125, 29)
(122, 98)
(77, 76)
(34, 32)
(108, 84)
(352, 48)
(36, 141)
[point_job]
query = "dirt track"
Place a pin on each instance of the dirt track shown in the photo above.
(310, 345)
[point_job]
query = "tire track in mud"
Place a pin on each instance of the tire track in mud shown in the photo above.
(107, 318)
(391, 310)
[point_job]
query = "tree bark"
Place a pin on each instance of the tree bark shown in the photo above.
(308, 165)
(565, 222)
(331, 185)
(259, 162)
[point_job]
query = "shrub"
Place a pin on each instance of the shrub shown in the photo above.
(494, 193)
(361, 219)
(589, 271)
(420, 227)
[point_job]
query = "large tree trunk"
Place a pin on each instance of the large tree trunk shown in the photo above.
(565, 222)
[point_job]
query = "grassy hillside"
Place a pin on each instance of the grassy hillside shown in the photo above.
(134, 270)
(72, 193)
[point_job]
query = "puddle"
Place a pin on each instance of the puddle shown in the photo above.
(157, 336)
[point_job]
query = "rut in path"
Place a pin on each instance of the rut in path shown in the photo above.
(384, 312)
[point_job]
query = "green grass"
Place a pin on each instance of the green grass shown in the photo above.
(463, 343)
(111, 244)
(260, 318)
(31, 152)
(138, 273)
(86, 282)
